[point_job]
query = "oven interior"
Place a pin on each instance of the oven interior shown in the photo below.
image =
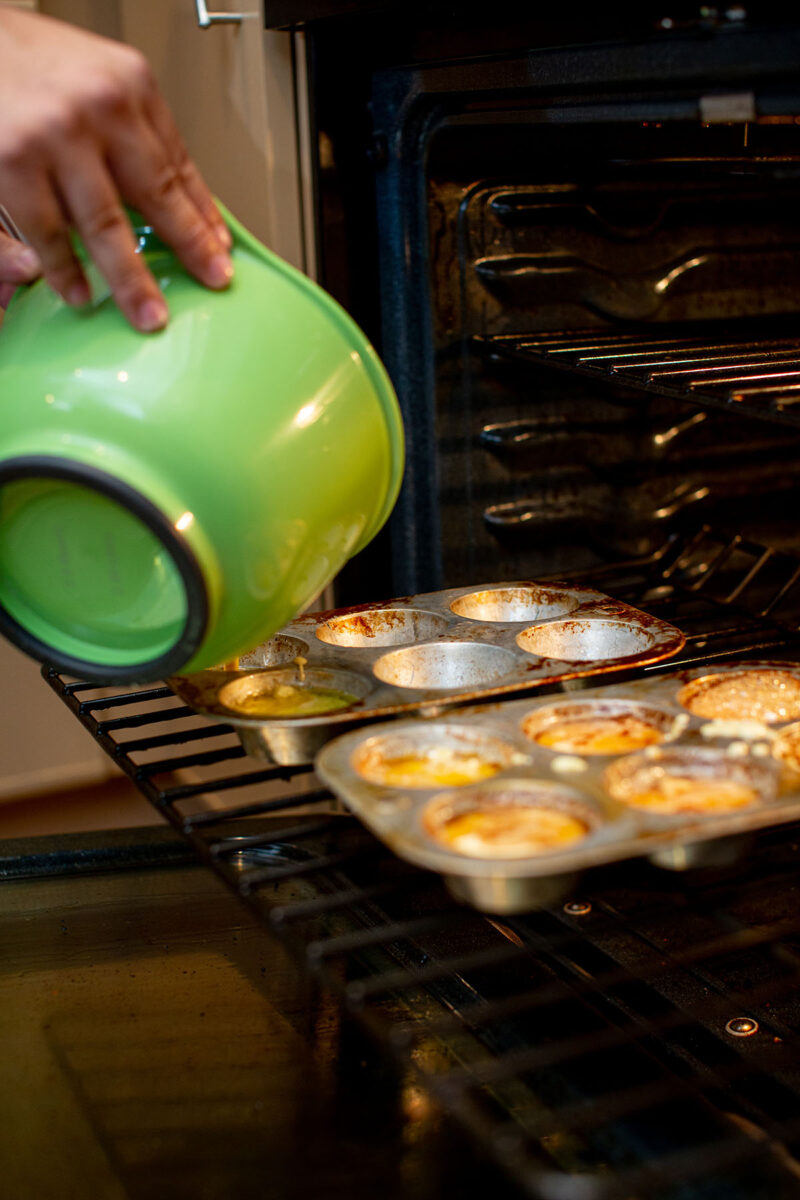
(580, 267)
(645, 267)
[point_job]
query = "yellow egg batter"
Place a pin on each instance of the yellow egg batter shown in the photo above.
(441, 766)
(292, 700)
(679, 794)
(510, 831)
(598, 735)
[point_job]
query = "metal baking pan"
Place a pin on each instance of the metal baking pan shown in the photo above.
(406, 780)
(424, 653)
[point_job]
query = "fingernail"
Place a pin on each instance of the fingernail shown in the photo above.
(224, 235)
(28, 261)
(78, 294)
(152, 315)
(220, 271)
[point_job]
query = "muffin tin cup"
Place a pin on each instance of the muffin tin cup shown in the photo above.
(280, 744)
(736, 749)
(754, 781)
(505, 896)
(425, 654)
(786, 747)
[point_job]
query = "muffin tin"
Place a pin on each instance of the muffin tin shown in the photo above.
(426, 652)
(659, 753)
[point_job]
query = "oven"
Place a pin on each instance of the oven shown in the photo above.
(574, 240)
(575, 247)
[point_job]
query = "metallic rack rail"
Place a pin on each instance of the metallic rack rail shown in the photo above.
(643, 1035)
(759, 376)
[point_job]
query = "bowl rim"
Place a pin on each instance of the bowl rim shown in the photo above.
(133, 501)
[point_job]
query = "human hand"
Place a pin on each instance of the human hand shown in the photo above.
(85, 131)
(18, 264)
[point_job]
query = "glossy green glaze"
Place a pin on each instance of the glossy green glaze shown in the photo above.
(257, 438)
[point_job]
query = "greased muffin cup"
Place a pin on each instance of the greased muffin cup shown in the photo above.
(526, 794)
(686, 781)
(421, 654)
(768, 694)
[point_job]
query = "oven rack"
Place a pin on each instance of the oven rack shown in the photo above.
(746, 372)
(643, 1035)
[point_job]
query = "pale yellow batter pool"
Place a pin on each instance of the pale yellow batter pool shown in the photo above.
(616, 734)
(679, 794)
(291, 700)
(440, 766)
(508, 831)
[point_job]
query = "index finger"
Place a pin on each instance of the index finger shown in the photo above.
(158, 112)
(150, 180)
(94, 206)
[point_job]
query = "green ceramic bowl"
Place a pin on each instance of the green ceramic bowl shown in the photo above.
(168, 501)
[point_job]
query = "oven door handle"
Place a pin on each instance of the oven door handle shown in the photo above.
(206, 19)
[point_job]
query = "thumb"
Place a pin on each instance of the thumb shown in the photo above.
(19, 263)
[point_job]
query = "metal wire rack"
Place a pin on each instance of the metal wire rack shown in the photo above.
(756, 375)
(641, 1039)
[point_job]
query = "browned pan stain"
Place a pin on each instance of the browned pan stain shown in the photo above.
(374, 620)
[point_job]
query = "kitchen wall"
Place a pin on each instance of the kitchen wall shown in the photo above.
(231, 88)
